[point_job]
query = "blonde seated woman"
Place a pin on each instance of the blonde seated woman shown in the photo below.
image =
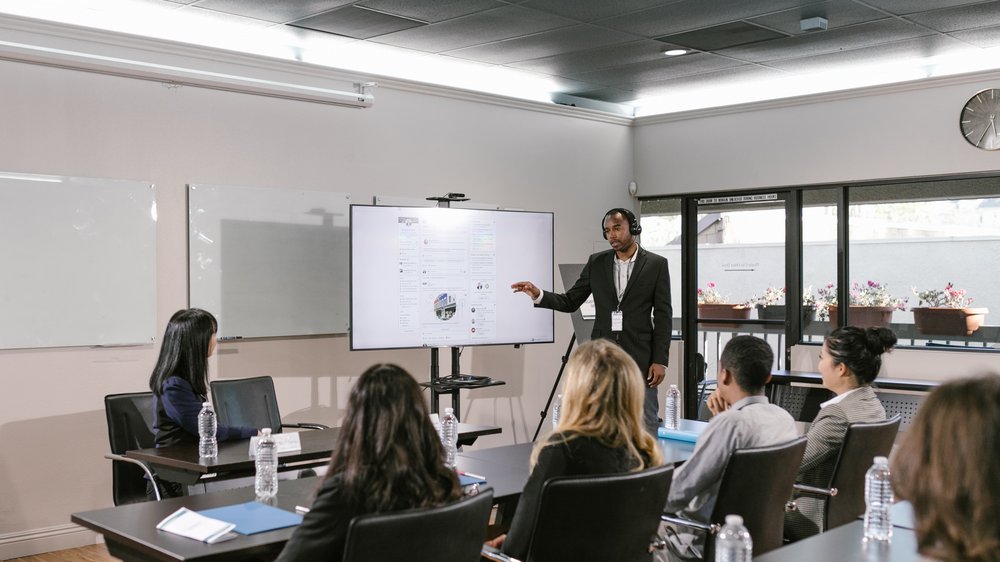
(600, 431)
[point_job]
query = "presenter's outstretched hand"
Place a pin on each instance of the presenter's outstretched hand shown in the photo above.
(526, 287)
(655, 375)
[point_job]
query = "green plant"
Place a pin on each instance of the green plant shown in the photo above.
(950, 297)
(771, 297)
(871, 293)
(710, 295)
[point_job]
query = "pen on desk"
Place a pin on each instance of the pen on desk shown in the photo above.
(473, 475)
(230, 338)
(301, 509)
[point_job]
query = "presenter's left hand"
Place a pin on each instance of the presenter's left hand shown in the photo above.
(656, 374)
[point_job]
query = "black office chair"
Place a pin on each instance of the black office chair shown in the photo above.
(454, 532)
(599, 518)
(756, 485)
(251, 403)
(130, 426)
(845, 495)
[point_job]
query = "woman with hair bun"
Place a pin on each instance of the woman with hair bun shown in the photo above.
(848, 362)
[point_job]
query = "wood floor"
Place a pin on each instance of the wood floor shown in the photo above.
(90, 553)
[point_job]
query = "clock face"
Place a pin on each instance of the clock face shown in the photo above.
(979, 120)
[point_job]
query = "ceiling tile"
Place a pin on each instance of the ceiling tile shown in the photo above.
(355, 22)
(722, 36)
(985, 37)
(839, 13)
(695, 14)
(545, 44)
(431, 11)
(958, 19)
(662, 69)
(834, 40)
(590, 10)
(268, 10)
(709, 80)
(920, 47)
(484, 27)
(903, 7)
(595, 59)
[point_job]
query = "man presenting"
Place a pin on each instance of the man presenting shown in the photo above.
(631, 289)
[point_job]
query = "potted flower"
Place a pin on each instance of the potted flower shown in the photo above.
(871, 304)
(948, 312)
(770, 304)
(712, 305)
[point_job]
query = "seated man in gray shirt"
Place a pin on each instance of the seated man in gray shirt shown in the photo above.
(744, 419)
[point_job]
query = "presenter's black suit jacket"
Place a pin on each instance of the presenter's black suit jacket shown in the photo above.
(645, 338)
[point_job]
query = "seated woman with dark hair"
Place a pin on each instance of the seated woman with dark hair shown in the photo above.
(945, 467)
(600, 431)
(849, 361)
(388, 457)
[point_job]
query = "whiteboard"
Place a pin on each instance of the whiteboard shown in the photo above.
(78, 261)
(269, 262)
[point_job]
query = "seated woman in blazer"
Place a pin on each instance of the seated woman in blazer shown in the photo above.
(179, 382)
(849, 362)
(600, 431)
(946, 467)
(387, 426)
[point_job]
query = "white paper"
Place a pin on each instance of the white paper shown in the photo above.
(193, 525)
(285, 443)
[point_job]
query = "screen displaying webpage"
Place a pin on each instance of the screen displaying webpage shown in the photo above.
(438, 277)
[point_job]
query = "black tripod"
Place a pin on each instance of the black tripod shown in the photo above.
(545, 412)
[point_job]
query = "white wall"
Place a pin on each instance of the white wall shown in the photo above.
(65, 122)
(881, 133)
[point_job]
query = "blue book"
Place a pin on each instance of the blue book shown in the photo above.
(688, 431)
(253, 517)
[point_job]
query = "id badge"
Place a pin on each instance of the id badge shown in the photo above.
(616, 321)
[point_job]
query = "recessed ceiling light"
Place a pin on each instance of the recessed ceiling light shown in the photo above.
(675, 52)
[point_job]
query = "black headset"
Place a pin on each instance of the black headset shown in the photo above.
(634, 228)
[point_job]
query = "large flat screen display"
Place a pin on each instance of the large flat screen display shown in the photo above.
(440, 277)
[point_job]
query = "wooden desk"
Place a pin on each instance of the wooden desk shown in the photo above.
(130, 530)
(844, 543)
(181, 463)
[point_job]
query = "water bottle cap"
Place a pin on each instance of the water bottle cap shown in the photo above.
(881, 460)
(265, 431)
(673, 386)
(206, 404)
(449, 411)
(734, 520)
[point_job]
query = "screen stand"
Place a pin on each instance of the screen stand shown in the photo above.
(545, 411)
(454, 382)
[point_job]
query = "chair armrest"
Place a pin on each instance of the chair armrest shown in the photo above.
(305, 425)
(494, 554)
(814, 490)
(140, 464)
(685, 522)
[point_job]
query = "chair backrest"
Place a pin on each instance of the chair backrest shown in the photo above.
(246, 402)
(862, 443)
(755, 484)
(600, 518)
(905, 405)
(130, 426)
(453, 532)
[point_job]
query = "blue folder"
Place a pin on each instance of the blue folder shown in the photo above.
(253, 517)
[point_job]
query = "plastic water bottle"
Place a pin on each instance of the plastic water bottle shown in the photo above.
(878, 500)
(449, 436)
(672, 408)
(733, 543)
(555, 412)
(266, 461)
(208, 447)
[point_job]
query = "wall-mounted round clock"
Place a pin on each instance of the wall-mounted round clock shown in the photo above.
(979, 119)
